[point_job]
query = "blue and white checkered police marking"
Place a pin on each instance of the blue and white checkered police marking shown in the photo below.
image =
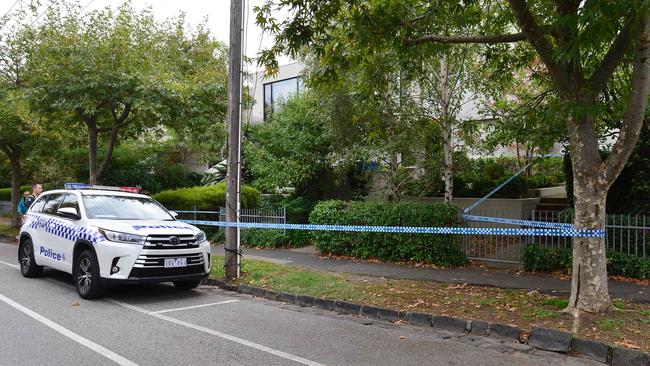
(64, 229)
(408, 229)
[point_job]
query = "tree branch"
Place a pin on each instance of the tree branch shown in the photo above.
(613, 58)
(635, 112)
(536, 36)
(486, 39)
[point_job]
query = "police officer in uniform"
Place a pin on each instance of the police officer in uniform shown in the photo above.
(36, 191)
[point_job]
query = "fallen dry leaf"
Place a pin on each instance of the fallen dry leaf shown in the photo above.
(627, 343)
(402, 337)
(76, 303)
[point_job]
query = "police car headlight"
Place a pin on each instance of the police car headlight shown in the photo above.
(200, 236)
(123, 237)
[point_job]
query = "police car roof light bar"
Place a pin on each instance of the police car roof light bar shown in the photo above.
(103, 188)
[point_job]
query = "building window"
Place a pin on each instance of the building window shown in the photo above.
(277, 92)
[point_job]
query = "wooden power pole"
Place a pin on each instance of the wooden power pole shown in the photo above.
(233, 174)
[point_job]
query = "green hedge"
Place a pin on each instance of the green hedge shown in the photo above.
(5, 193)
(205, 198)
(436, 249)
(267, 238)
(554, 259)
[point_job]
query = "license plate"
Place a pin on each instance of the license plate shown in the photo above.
(175, 262)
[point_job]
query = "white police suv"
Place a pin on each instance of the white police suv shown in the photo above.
(110, 235)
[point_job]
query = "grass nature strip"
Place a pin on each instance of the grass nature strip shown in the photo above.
(7, 230)
(626, 326)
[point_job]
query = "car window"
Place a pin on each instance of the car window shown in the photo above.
(70, 200)
(52, 203)
(124, 208)
(37, 206)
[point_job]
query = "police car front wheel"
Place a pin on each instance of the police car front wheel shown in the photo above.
(86, 275)
(28, 266)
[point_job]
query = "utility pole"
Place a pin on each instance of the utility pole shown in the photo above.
(234, 113)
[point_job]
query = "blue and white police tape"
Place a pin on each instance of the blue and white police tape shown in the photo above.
(408, 229)
(500, 220)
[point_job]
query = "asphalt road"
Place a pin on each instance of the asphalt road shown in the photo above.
(44, 322)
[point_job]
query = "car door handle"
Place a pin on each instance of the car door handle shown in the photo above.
(51, 226)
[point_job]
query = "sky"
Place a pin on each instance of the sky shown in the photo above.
(216, 11)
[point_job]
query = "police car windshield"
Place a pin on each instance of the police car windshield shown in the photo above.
(124, 208)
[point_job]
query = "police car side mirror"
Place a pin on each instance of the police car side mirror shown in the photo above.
(68, 212)
(174, 213)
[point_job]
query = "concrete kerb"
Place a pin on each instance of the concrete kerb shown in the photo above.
(540, 338)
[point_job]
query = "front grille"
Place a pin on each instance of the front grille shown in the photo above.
(153, 265)
(185, 241)
(165, 272)
(158, 260)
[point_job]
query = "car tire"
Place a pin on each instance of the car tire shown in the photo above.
(86, 275)
(28, 266)
(187, 285)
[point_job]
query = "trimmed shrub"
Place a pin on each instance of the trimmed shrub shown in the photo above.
(298, 208)
(559, 259)
(205, 198)
(268, 238)
(547, 259)
(436, 249)
(628, 265)
(5, 193)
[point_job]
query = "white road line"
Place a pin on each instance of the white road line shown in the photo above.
(68, 333)
(229, 337)
(16, 266)
(194, 307)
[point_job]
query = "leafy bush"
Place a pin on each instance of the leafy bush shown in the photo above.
(559, 259)
(205, 198)
(5, 193)
(298, 208)
(275, 238)
(436, 249)
(154, 168)
(547, 259)
(628, 265)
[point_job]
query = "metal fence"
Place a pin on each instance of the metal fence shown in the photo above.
(494, 248)
(5, 208)
(628, 234)
(256, 215)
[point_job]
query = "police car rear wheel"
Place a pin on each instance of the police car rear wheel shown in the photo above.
(28, 266)
(186, 285)
(87, 275)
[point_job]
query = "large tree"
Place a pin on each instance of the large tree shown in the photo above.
(119, 73)
(581, 44)
(16, 123)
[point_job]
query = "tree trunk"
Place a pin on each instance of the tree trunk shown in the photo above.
(92, 151)
(447, 124)
(589, 278)
(448, 148)
(14, 161)
(393, 180)
(112, 139)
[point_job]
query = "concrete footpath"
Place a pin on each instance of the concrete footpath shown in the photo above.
(471, 275)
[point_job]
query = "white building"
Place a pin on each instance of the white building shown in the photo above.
(269, 92)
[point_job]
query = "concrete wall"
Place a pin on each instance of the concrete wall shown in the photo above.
(498, 207)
